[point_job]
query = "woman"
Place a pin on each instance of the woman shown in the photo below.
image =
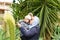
(32, 33)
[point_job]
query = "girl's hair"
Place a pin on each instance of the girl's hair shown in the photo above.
(30, 14)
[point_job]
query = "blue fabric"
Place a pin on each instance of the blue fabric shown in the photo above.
(32, 34)
(23, 24)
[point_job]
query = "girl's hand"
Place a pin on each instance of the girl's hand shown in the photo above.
(19, 25)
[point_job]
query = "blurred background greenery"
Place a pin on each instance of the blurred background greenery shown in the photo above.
(47, 10)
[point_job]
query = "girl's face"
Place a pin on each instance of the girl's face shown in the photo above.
(26, 20)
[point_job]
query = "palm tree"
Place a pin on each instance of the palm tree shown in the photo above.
(46, 10)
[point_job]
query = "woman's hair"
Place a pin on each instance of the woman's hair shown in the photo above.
(30, 14)
(28, 17)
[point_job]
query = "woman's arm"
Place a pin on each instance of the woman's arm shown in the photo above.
(30, 32)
